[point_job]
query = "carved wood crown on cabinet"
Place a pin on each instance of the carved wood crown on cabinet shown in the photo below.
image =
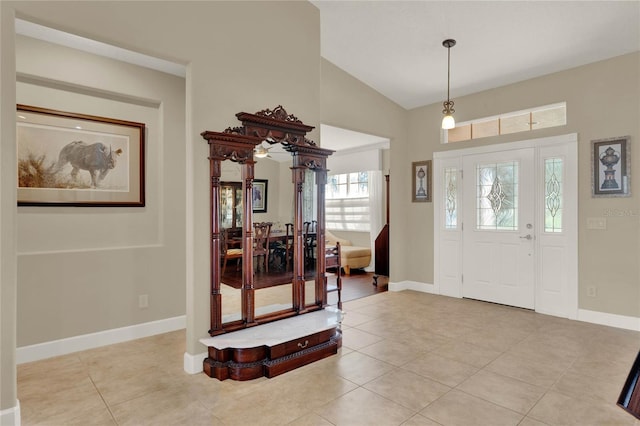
(237, 144)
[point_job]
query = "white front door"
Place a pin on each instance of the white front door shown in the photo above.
(498, 232)
(481, 224)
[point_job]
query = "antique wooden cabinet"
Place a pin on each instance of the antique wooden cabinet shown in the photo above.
(230, 356)
(629, 398)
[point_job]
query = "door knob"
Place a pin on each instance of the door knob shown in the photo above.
(527, 237)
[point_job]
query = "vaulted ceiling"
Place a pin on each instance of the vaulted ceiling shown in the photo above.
(396, 46)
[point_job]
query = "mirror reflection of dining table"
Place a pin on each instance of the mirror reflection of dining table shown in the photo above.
(279, 260)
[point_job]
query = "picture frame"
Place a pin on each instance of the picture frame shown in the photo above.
(260, 193)
(611, 167)
(421, 186)
(73, 159)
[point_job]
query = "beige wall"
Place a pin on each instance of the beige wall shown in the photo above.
(79, 266)
(602, 102)
(350, 104)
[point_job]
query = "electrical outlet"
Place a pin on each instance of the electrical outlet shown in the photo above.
(143, 301)
(592, 291)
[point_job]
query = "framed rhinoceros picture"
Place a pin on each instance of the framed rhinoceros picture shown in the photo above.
(70, 159)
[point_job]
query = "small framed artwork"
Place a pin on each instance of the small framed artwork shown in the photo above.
(421, 181)
(71, 159)
(611, 167)
(260, 192)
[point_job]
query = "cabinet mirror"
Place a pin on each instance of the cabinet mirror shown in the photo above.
(264, 265)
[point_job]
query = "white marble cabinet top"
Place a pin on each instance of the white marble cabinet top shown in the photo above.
(277, 332)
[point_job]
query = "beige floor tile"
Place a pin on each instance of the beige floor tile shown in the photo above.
(281, 400)
(355, 318)
(558, 409)
(165, 407)
(582, 386)
(363, 407)
(450, 328)
(407, 389)
(458, 408)
(421, 341)
(468, 353)
(377, 310)
(420, 420)
(97, 417)
(383, 328)
(496, 338)
(123, 387)
(440, 369)
(613, 368)
(536, 373)
(356, 339)
(66, 364)
(311, 419)
(310, 386)
(541, 348)
(504, 391)
(528, 421)
(108, 365)
(392, 352)
(358, 368)
(538, 349)
(34, 387)
(61, 406)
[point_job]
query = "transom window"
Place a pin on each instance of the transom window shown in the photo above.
(513, 122)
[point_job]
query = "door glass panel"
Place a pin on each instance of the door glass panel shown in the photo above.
(553, 194)
(450, 198)
(497, 196)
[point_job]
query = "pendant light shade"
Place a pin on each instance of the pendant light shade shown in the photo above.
(448, 121)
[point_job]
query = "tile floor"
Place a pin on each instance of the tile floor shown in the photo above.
(408, 358)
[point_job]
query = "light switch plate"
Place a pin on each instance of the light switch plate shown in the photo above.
(597, 223)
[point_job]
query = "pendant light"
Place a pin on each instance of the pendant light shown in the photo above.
(447, 121)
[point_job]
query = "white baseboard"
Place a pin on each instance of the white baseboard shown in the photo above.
(193, 363)
(412, 285)
(11, 416)
(611, 320)
(95, 340)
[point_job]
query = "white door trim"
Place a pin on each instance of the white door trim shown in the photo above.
(448, 243)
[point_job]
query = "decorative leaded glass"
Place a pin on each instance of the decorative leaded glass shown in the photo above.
(553, 172)
(450, 198)
(497, 196)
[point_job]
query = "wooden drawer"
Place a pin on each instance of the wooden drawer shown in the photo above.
(300, 344)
